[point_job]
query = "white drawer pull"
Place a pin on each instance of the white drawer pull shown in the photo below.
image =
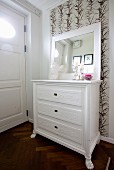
(56, 110)
(55, 127)
(55, 94)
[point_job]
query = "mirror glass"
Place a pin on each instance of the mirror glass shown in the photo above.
(75, 50)
(80, 48)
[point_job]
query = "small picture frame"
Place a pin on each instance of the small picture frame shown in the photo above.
(77, 60)
(88, 59)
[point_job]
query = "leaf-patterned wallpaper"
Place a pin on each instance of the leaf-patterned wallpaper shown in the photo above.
(74, 14)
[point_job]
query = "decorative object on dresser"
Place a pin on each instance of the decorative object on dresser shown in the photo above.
(87, 76)
(67, 112)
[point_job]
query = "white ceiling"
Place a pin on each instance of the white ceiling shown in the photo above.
(45, 4)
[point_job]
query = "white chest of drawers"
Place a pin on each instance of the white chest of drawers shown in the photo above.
(67, 112)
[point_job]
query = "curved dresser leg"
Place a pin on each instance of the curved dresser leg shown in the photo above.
(89, 164)
(33, 135)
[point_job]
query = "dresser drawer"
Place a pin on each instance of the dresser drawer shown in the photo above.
(60, 111)
(61, 95)
(60, 129)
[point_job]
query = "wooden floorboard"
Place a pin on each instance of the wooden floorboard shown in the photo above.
(19, 152)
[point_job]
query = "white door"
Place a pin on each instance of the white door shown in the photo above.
(12, 70)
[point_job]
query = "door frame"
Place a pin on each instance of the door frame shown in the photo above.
(26, 16)
(33, 53)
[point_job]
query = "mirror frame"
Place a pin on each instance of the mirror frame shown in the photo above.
(96, 29)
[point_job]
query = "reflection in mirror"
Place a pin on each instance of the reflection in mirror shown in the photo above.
(73, 50)
(80, 48)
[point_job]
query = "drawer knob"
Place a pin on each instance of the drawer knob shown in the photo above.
(56, 110)
(55, 94)
(56, 127)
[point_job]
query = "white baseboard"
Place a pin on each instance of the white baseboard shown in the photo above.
(107, 139)
(30, 120)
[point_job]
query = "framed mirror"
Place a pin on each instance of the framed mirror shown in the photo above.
(80, 46)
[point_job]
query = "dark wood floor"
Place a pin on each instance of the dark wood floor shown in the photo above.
(19, 152)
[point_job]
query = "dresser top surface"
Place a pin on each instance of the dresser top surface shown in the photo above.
(69, 81)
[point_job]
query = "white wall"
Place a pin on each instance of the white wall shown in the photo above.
(87, 47)
(33, 57)
(111, 57)
(45, 59)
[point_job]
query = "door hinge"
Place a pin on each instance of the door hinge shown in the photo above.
(25, 28)
(25, 48)
(27, 113)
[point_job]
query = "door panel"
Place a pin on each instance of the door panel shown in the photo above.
(12, 73)
(9, 62)
(10, 102)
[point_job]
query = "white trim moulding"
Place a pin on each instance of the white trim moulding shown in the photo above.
(28, 6)
(107, 139)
